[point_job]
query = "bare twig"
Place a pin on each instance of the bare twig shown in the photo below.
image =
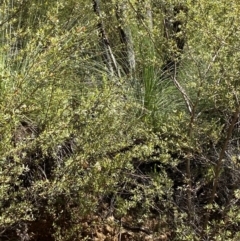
(186, 98)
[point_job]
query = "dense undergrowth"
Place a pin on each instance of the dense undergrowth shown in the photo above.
(137, 140)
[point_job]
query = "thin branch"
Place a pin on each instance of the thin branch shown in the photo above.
(191, 110)
(218, 167)
(186, 98)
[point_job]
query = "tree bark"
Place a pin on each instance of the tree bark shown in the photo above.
(126, 39)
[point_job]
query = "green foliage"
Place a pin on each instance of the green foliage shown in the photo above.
(84, 138)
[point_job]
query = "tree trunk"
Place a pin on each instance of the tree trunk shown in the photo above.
(126, 39)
